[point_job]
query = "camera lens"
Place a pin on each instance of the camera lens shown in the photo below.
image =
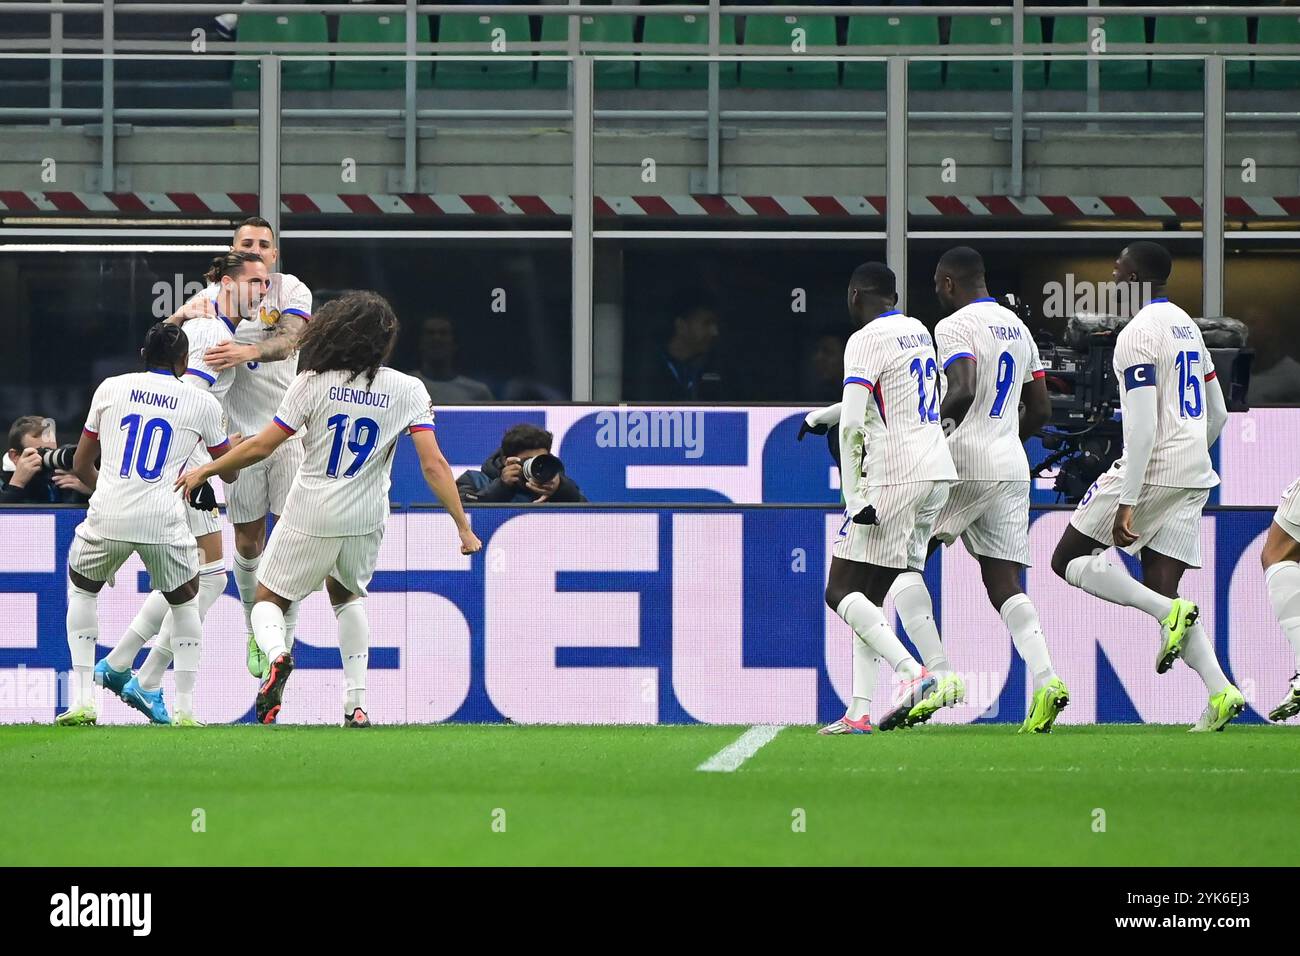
(57, 458)
(541, 469)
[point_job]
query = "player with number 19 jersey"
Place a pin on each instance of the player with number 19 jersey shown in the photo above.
(349, 432)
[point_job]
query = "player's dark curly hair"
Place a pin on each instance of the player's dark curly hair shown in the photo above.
(163, 345)
(228, 264)
(354, 333)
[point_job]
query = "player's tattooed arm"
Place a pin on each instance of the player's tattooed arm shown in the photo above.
(285, 340)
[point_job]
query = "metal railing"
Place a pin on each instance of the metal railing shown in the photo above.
(580, 109)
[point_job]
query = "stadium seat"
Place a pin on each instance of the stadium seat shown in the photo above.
(893, 31)
(1222, 32)
(274, 29)
(379, 74)
(680, 74)
(481, 74)
(779, 31)
(610, 75)
(991, 74)
(1115, 74)
(1278, 74)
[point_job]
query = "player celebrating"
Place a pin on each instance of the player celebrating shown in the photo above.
(991, 364)
(351, 410)
(243, 279)
(151, 422)
(1151, 499)
(896, 469)
(263, 354)
(1281, 560)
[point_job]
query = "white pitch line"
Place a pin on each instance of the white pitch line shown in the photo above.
(730, 757)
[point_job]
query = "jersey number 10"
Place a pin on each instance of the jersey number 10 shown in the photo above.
(152, 440)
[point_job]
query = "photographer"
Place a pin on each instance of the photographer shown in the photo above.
(521, 471)
(30, 475)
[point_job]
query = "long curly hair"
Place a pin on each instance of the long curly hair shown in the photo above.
(354, 333)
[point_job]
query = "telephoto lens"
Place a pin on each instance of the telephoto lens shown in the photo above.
(542, 468)
(57, 458)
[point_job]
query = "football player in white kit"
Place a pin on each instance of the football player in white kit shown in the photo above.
(896, 470)
(263, 353)
(350, 409)
(991, 365)
(144, 426)
(1281, 560)
(242, 279)
(1151, 499)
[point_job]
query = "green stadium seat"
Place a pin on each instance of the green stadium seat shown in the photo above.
(482, 74)
(991, 74)
(379, 74)
(1223, 32)
(274, 29)
(893, 31)
(685, 30)
(778, 31)
(613, 75)
(1114, 74)
(1278, 74)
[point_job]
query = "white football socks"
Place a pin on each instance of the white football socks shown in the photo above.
(268, 629)
(290, 624)
(354, 648)
(1199, 654)
(869, 624)
(212, 584)
(1021, 618)
(916, 611)
(1283, 581)
(246, 581)
(866, 669)
(148, 621)
(1111, 582)
(83, 632)
(187, 637)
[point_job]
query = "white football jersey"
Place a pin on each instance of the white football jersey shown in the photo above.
(1162, 348)
(148, 425)
(204, 334)
(986, 445)
(260, 386)
(893, 356)
(349, 432)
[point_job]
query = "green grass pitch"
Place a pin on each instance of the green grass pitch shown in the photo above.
(940, 795)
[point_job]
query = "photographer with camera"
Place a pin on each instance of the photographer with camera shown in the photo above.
(36, 469)
(521, 471)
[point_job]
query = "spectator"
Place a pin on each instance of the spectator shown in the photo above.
(683, 369)
(501, 479)
(438, 366)
(25, 480)
(823, 378)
